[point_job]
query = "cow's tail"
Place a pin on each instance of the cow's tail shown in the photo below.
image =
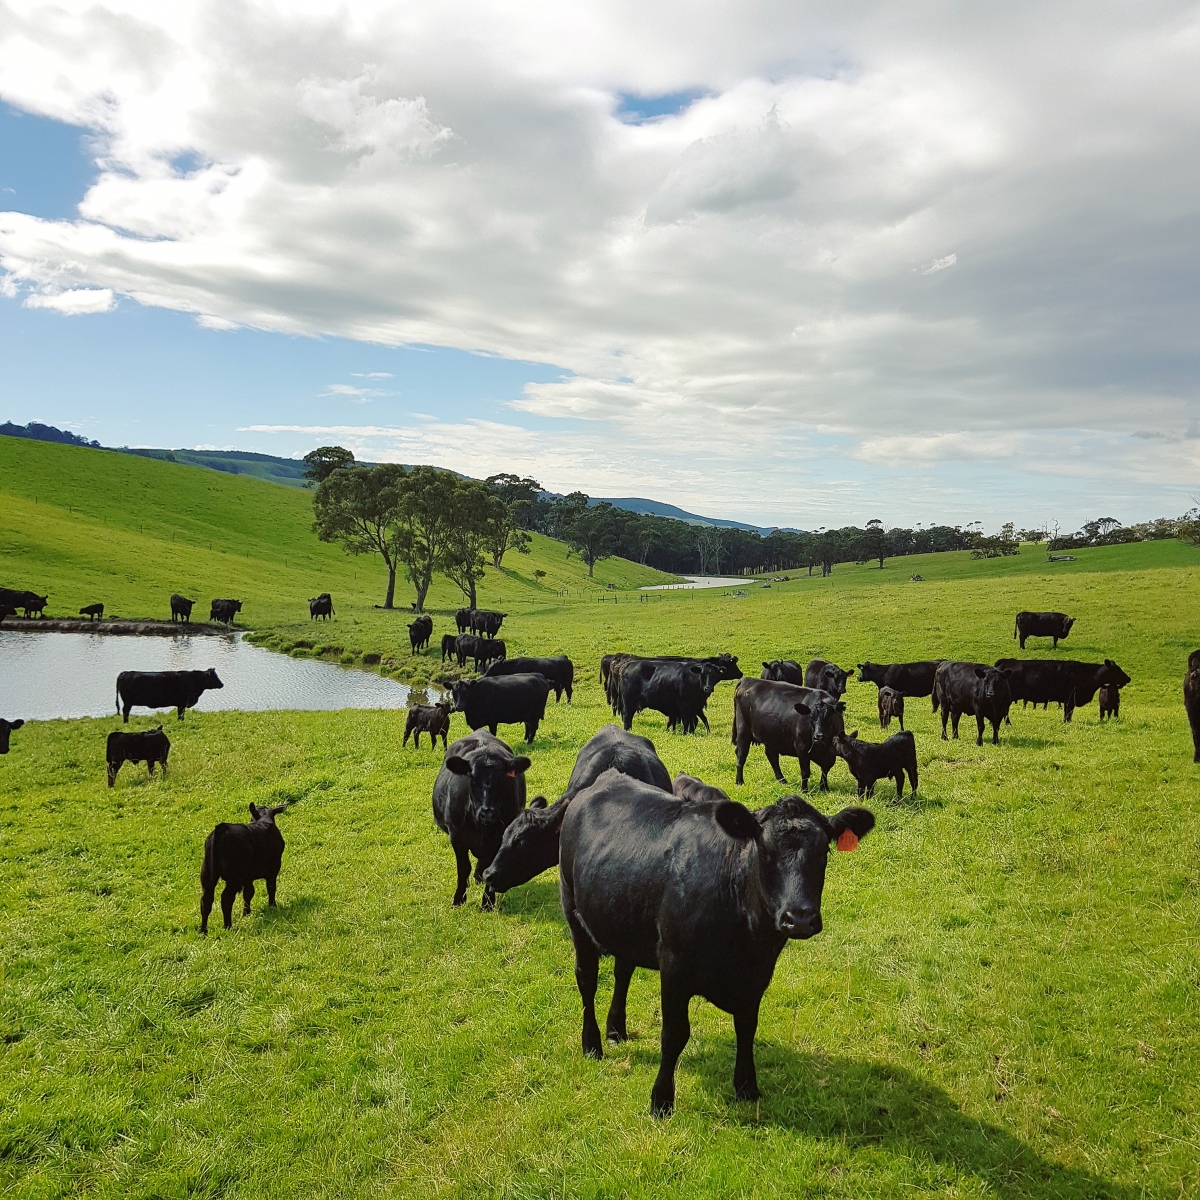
(118, 699)
(733, 733)
(208, 868)
(911, 765)
(1017, 627)
(937, 703)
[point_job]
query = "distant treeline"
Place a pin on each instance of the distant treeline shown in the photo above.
(45, 433)
(1108, 531)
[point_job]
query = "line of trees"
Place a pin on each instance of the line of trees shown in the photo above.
(1108, 531)
(421, 521)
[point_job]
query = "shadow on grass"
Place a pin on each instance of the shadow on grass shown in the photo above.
(537, 899)
(862, 1103)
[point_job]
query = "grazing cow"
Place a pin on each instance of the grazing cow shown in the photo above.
(1110, 701)
(560, 671)
(530, 844)
(966, 687)
(1060, 680)
(224, 611)
(93, 612)
(163, 689)
(419, 633)
(1054, 625)
(465, 646)
(785, 719)
(612, 667)
(462, 618)
(433, 719)
(871, 761)
(31, 602)
(321, 606)
(477, 794)
(488, 650)
(678, 690)
(827, 677)
(181, 607)
(7, 610)
(240, 854)
(449, 646)
(508, 700)
(486, 622)
(6, 727)
(783, 670)
(707, 894)
(909, 679)
(152, 746)
(1191, 703)
(891, 704)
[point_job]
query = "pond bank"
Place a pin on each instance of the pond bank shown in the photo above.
(132, 627)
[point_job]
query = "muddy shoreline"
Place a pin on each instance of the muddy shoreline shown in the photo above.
(133, 627)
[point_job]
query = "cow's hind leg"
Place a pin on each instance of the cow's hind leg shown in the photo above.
(676, 1030)
(271, 881)
(614, 1026)
(228, 895)
(945, 714)
(957, 716)
(248, 895)
(587, 972)
(745, 1024)
(207, 893)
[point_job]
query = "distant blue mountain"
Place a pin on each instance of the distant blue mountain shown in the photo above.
(656, 508)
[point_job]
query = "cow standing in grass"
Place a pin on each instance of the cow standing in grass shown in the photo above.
(150, 746)
(181, 608)
(1191, 700)
(240, 854)
(7, 727)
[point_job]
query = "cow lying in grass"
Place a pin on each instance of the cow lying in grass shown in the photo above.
(240, 854)
(870, 762)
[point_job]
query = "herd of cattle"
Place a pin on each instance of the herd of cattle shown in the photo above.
(669, 875)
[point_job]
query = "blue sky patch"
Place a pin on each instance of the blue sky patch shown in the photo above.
(45, 166)
(637, 110)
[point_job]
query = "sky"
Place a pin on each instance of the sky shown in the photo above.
(789, 263)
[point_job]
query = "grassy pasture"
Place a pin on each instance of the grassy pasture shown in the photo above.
(1003, 1002)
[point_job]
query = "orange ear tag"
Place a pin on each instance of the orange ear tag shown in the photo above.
(848, 840)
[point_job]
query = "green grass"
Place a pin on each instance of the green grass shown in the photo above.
(1003, 1002)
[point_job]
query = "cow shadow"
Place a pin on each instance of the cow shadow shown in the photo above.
(537, 900)
(859, 1103)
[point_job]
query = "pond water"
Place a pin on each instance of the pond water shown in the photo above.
(698, 581)
(48, 675)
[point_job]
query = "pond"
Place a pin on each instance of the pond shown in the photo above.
(48, 675)
(698, 581)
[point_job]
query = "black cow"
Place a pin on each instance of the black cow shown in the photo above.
(785, 719)
(15, 598)
(163, 689)
(910, 679)
(1191, 703)
(891, 704)
(462, 618)
(530, 844)
(678, 690)
(240, 854)
(6, 727)
(486, 622)
(93, 612)
(449, 646)
(152, 746)
(1054, 625)
(1060, 680)
(560, 671)
(7, 610)
(477, 794)
(489, 650)
(433, 719)
(465, 646)
(613, 666)
(870, 762)
(688, 787)
(181, 607)
(508, 700)
(966, 687)
(321, 606)
(419, 633)
(707, 894)
(827, 677)
(783, 670)
(224, 611)
(1110, 701)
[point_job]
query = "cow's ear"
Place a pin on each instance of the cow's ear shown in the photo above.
(253, 811)
(695, 668)
(1108, 662)
(859, 821)
(737, 821)
(1007, 672)
(538, 802)
(19, 724)
(852, 736)
(841, 706)
(458, 765)
(767, 665)
(980, 673)
(803, 708)
(849, 676)
(735, 660)
(521, 765)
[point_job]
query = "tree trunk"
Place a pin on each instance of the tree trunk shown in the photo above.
(422, 587)
(471, 601)
(591, 567)
(391, 589)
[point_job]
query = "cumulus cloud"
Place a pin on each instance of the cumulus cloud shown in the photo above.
(729, 284)
(73, 301)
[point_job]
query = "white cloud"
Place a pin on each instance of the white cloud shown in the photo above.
(737, 279)
(74, 301)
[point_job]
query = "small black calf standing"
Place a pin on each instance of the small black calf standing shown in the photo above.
(151, 746)
(240, 854)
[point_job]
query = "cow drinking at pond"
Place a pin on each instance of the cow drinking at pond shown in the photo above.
(181, 608)
(151, 746)
(976, 688)
(93, 612)
(433, 719)
(321, 606)
(1054, 625)
(477, 794)
(530, 844)
(870, 762)
(7, 727)
(707, 894)
(240, 854)
(163, 689)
